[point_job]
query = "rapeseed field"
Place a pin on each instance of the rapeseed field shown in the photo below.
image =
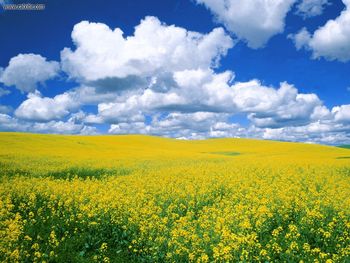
(148, 199)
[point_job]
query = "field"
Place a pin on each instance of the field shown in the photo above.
(149, 199)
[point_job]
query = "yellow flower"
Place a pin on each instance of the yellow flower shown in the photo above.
(15, 255)
(26, 237)
(104, 247)
(204, 258)
(263, 252)
(35, 246)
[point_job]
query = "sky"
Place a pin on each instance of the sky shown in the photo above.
(187, 69)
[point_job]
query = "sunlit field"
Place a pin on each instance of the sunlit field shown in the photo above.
(150, 199)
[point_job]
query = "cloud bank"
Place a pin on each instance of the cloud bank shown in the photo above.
(165, 80)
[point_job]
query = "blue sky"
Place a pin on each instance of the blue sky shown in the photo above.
(264, 69)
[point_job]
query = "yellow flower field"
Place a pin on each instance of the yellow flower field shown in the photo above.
(148, 199)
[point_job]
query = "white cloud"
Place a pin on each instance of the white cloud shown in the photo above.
(295, 113)
(9, 123)
(62, 127)
(341, 113)
(25, 71)
(270, 107)
(202, 125)
(301, 39)
(254, 21)
(38, 108)
(206, 91)
(226, 129)
(121, 112)
(253, 97)
(315, 132)
(327, 127)
(310, 8)
(196, 125)
(188, 124)
(129, 128)
(330, 41)
(154, 48)
(88, 95)
(194, 90)
(321, 112)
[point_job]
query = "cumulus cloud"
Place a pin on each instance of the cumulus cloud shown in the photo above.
(25, 71)
(331, 40)
(342, 113)
(88, 95)
(105, 54)
(254, 21)
(301, 39)
(38, 108)
(310, 8)
(193, 91)
(277, 108)
(320, 112)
